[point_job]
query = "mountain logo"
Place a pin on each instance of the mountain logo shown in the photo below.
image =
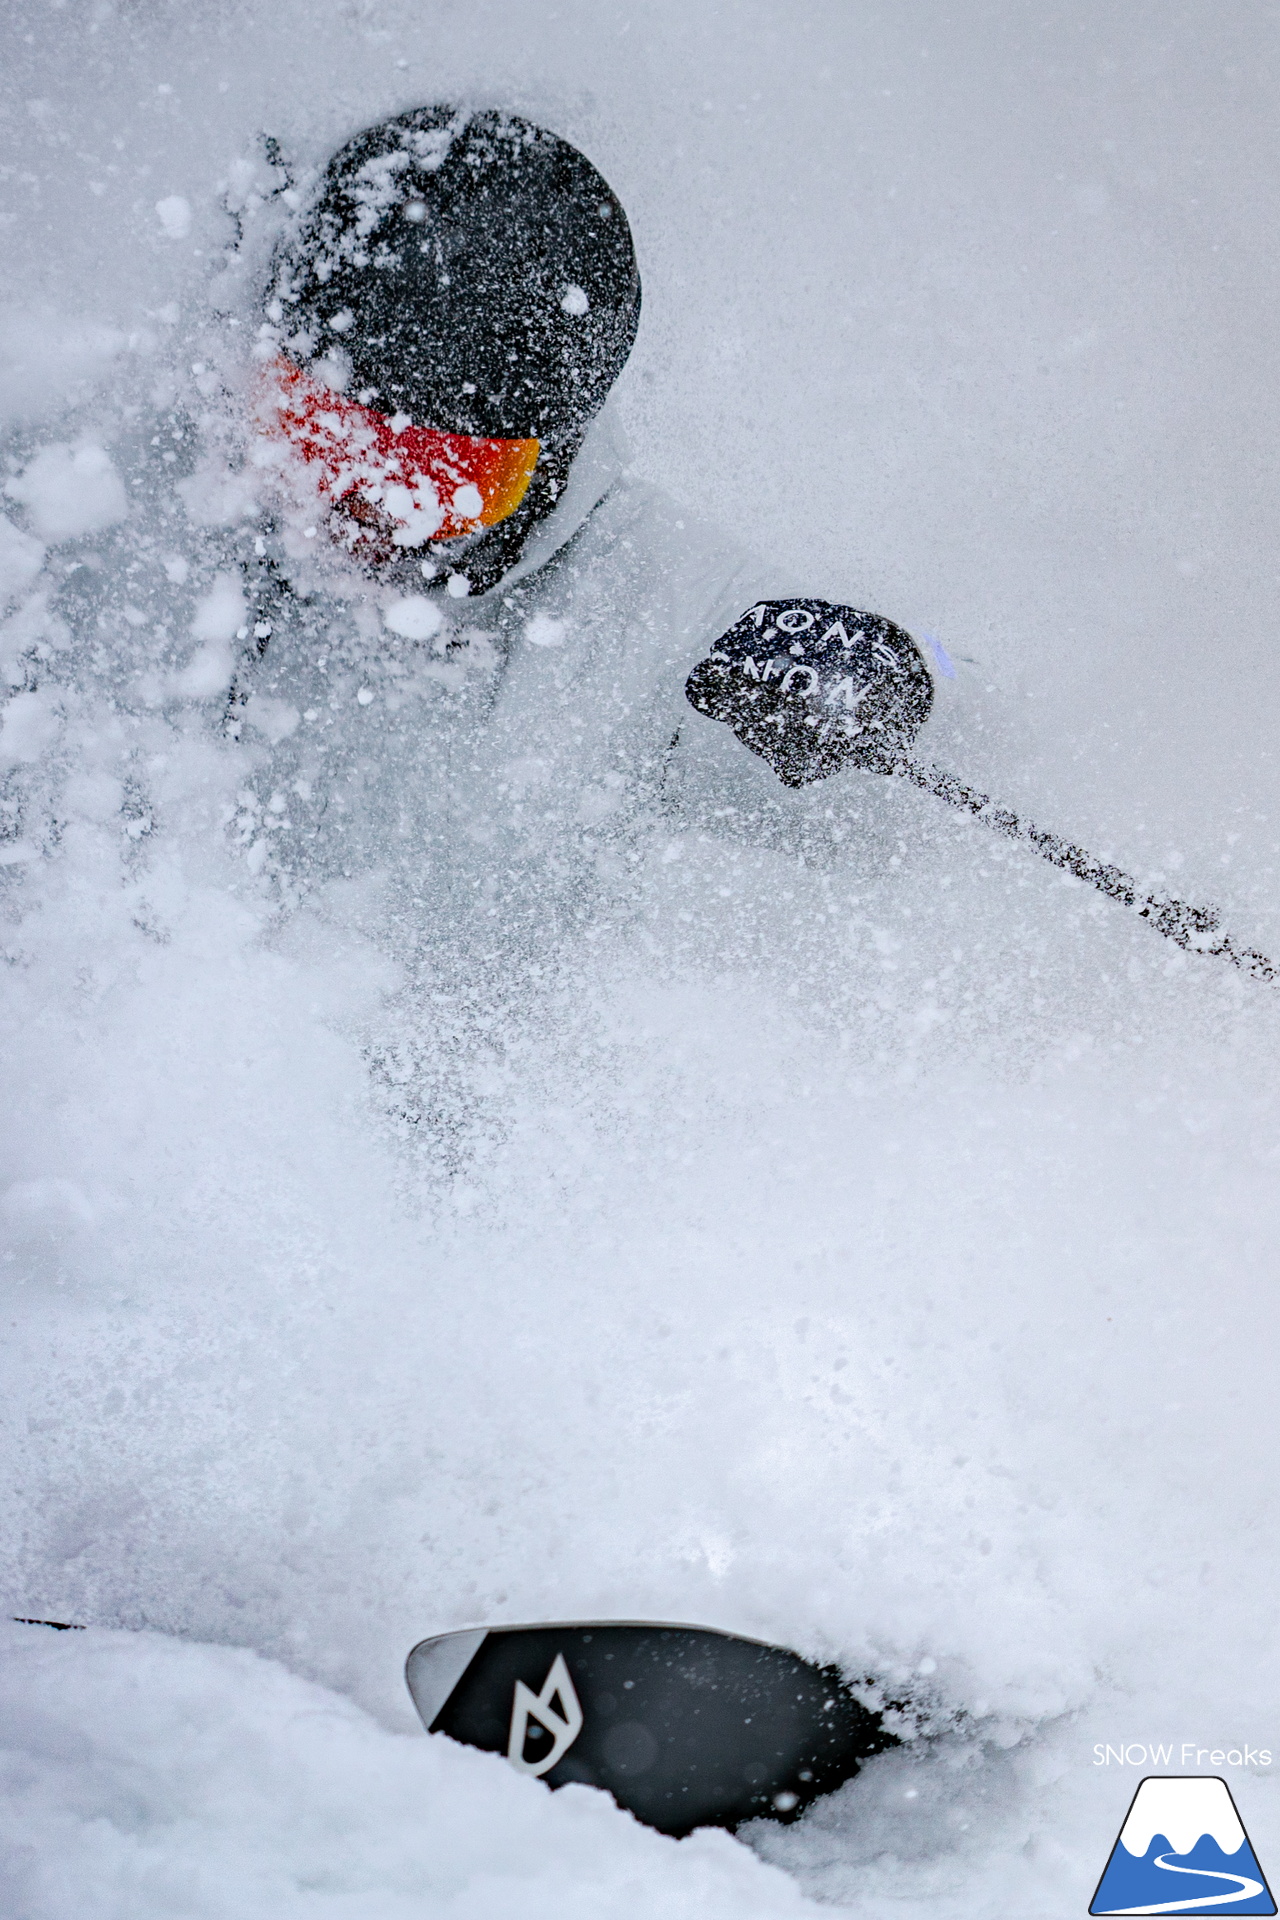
(558, 1712)
(1183, 1850)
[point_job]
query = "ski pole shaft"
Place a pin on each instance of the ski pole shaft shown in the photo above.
(1195, 928)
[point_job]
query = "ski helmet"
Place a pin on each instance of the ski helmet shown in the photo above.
(469, 279)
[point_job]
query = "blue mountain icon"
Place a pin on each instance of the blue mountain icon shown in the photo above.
(1183, 1850)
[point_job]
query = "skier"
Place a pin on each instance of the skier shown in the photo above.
(502, 640)
(489, 625)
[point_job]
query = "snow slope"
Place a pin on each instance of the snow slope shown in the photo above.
(875, 1258)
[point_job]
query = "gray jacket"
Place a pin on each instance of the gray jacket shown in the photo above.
(544, 721)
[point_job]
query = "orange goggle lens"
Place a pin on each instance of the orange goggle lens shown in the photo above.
(427, 485)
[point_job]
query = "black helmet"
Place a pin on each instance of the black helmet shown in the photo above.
(473, 273)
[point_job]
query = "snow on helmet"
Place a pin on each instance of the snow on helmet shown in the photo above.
(473, 276)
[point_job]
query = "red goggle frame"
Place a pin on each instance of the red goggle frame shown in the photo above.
(413, 483)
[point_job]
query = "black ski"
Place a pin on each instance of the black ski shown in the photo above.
(685, 1726)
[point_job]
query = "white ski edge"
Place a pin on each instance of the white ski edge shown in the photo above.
(435, 1667)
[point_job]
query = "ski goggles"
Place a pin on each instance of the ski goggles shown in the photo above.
(413, 483)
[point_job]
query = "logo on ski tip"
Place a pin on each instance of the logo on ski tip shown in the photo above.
(564, 1723)
(1182, 1850)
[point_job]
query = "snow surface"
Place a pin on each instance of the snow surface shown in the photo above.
(875, 1257)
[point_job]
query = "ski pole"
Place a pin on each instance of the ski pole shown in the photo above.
(1195, 928)
(813, 687)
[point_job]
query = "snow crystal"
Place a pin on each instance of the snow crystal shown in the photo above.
(220, 612)
(275, 719)
(467, 502)
(70, 491)
(413, 616)
(207, 671)
(544, 631)
(174, 215)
